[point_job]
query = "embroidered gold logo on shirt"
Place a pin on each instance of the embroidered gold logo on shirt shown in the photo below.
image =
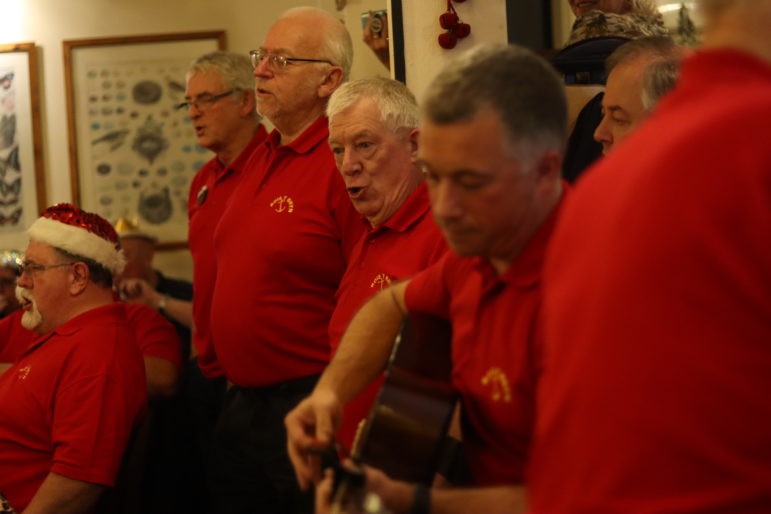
(283, 204)
(381, 281)
(200, 198)
(23, 372)
(496, 378)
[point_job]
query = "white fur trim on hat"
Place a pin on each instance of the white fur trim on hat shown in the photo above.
(78, 241)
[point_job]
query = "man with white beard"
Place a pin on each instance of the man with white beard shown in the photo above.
(71, 400)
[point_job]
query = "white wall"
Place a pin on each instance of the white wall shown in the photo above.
(421, 29)
(48, 22)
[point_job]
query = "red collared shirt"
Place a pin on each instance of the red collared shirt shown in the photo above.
(14, 338)
(210, 193)
(406, 243)
(495, 351)
(657, 311)
(154, 335)
(282, 246)
(69, 403)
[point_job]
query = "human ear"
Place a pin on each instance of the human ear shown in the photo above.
(331, 81)
(80, 275)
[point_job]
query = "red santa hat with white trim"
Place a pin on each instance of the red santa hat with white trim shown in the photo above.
(80, 233)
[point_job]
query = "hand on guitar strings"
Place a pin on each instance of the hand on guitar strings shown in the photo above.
(350, 488)
(310, 429)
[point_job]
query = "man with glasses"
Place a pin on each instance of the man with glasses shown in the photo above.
(281, 248)
(70, 401)
(220, 101)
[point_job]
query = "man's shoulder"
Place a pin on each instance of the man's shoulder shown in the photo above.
(454, 269)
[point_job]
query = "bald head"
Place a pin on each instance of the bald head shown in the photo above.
(322, 31)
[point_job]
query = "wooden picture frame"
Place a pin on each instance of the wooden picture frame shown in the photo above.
(22, 175)
(132, 154)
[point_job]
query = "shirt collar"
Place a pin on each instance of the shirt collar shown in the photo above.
(317, 132)
(410, 212)
(525, 270)
(239, 163)
(112, 312)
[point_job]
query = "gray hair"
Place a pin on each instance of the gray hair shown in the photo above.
(662, 65)
(337, 45)
(396, 104)
(659, 78)
(235, 69)
(521, 87)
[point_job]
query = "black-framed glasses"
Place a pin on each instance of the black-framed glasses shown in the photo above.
(33, 268)
(277, 62)
(204, 101)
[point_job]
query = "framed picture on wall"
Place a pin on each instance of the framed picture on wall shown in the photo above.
(132, 153)
(22, 178)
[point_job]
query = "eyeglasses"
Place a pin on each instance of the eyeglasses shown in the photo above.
(33, 268)
(277, 62)
(204, 101)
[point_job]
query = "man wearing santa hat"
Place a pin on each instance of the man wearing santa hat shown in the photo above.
(70, 402)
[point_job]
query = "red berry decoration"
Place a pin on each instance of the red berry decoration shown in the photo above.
(447, 40)
(461, 30)
(448, 20)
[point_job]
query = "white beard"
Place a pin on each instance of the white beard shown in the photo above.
(32, 318)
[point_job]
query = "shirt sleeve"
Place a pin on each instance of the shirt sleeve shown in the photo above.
(155, 336)
(428, 291)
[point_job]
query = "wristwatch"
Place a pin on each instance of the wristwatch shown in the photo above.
(162, 303)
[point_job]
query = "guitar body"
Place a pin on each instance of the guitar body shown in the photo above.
(404, 435)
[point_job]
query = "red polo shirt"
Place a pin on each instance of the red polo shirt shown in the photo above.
(657, 311)
(210, 193)
(14, 338)
(406, 243)
(154, 334)
(495, 351)
(69, 404)
(281, 248)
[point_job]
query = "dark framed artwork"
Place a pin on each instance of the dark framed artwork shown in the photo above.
(397, 41)
(529, 23)
(132, 154)
(22, 177)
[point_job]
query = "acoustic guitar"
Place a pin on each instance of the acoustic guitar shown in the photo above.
(404, 435)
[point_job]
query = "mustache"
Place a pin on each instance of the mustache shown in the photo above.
(23, 295)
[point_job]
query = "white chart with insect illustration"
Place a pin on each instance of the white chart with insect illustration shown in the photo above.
(18, 206)
(137, 153)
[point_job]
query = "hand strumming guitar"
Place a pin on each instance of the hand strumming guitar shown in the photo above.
(310, 430)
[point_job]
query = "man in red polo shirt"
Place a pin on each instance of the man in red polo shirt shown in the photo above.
(374, 138)
(155, 337)
(71, 400)
(230, 127)
(491, 139)
(281, 247)
(657, 300)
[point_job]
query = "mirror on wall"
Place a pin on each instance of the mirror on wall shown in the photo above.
(366, 63)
